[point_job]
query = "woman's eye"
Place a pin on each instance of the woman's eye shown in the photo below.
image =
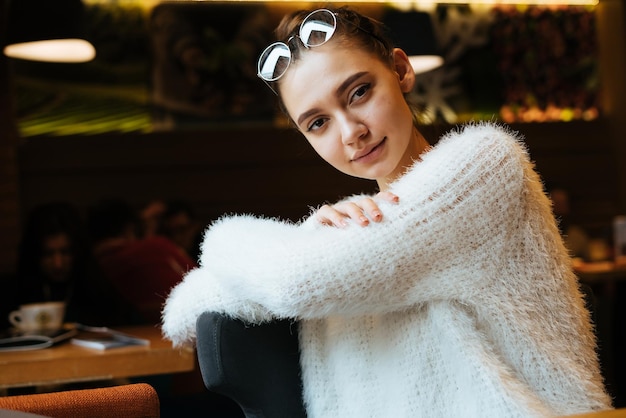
(316, 124)
(360, 92)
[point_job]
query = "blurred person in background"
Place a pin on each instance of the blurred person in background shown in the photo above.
(141, 269)
(574, 236)
(150, 217)
(179, 224)
(54, 264)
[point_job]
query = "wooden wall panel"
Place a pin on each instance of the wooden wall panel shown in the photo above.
(274, 172)
(580, 157)
(9, 183)
(265, 171)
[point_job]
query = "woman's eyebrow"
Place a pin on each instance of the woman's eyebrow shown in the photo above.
(306, 114)
(340, 90)
(343, 86)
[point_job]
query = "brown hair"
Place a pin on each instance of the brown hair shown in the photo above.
(353, 29)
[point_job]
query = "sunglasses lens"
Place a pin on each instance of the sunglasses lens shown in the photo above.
(318, 27)
(274, 61)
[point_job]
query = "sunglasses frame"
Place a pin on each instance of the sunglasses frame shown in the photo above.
(307, 46)
(285, 46)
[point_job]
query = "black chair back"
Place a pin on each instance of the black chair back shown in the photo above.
(257, 366)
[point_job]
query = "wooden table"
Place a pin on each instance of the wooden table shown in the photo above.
(613, 413)
(66, 363)
(607, 280)
(600, 272)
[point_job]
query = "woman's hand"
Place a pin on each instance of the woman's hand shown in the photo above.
(361, 212)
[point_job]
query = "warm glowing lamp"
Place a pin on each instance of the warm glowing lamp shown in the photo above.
(47, 30)
(413, 32)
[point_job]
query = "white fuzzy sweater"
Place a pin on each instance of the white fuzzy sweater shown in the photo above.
(461, 303)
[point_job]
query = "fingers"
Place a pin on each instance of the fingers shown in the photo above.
(388, 196)
(361, 212)
(336, 215)
(369, 210)
(370, 207)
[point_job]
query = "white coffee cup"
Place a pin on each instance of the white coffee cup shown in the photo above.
(38, 316)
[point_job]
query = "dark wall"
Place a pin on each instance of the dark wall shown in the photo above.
(265, 171)
(274, 172)
(580, 157)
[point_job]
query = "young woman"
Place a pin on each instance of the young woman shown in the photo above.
(448, 294)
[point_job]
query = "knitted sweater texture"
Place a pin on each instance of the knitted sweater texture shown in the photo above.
(460, 303)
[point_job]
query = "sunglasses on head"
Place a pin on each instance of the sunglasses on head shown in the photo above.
(316, 29)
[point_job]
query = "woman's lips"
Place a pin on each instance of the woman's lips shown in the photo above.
(369, 154)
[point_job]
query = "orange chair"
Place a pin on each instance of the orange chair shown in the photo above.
(138, 400)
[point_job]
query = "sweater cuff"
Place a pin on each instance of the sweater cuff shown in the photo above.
(200, 292)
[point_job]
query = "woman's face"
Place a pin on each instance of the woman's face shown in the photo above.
(57, 259)
(350, 106)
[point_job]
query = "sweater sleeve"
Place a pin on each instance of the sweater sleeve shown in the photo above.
(452, 205)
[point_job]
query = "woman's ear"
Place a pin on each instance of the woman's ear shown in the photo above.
(404, 70)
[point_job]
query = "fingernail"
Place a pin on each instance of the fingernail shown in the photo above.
(364, 220)
(377, 215)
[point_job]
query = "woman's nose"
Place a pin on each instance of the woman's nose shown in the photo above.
(352, 130)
